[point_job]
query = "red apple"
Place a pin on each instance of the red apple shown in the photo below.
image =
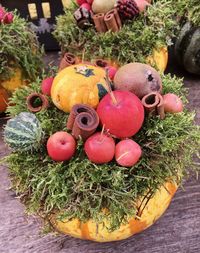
(46, 85)
(172, 103)
(61, 146)
(100, 148)
(80, 2)
(2, 13)
(124, 118)
(127, 153)
(86, 6)
(111, 71)
(8, 18)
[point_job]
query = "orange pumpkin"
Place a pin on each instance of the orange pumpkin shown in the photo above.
(151, 211)
(3, 99)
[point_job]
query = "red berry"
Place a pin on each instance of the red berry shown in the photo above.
(8, 18)
(2, 13)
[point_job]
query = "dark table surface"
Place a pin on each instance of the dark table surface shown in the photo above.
(177, 231)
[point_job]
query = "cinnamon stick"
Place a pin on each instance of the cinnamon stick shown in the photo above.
(99, 22)
(112, 20)
(153, 104)
(67, 60)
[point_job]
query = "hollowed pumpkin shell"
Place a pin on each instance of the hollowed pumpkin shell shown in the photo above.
(78, 84)
(91, 230)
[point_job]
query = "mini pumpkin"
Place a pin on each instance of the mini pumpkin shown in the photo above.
(187, 48)
(78, 84)
(15, 81)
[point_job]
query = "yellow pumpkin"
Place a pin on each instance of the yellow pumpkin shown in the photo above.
(15, 81)
(159, 58)
(152, 210)
(77, 84)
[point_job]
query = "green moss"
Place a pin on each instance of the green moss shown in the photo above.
(81, 189)
(19, 48)
(134, 42)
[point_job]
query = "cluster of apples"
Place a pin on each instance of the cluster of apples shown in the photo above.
(5, 17)
(122, 113)
(100, 148)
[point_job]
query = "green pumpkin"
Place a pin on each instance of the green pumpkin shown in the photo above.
(187, 48)
(23, 132)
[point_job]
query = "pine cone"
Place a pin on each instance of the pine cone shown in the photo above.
(127, 9)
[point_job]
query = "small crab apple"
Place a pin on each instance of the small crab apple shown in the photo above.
(61, 146)
(172, 103)
(111, 71)
(46, 85)
(100, 148)
(127, 153)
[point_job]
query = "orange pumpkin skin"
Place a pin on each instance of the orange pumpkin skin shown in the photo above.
(93, 231)
(78, 84)
(3, 99)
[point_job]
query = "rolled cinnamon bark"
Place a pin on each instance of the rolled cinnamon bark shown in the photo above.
(83, 121)
(111, 21)
(67, 60)
(36, 106)
(153, 104)
(150, 102)
(99, 22)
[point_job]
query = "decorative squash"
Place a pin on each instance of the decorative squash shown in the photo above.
(149, 212)
(23, 132)
(187, 48)
(159, 58)
(78, 84)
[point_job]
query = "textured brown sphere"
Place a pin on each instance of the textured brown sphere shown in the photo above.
(138, 78)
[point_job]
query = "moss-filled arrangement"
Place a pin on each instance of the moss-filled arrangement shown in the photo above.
(134, 42)
(81, 189)
(19, 49)
(189, 9)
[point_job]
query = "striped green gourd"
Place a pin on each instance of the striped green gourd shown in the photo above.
(23, 132)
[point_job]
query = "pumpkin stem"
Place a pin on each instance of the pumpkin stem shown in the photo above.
(108, 82)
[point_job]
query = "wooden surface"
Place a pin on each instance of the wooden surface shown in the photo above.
(178, 231)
